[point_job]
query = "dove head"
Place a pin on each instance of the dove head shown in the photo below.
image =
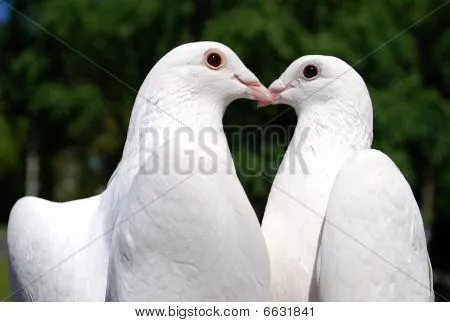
(315, 81)
(209, 71)
(330, 97)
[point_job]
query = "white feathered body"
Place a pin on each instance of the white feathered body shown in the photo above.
(295, 210)
(373, 245)
(299, 195)
(198, 240)
(49, 259)
(186, 231)
(210, 249)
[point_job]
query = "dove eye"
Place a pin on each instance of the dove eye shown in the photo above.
(311, 72)
(214, 59)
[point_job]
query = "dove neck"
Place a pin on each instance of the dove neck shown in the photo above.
(171, 109)
(324, 139)
(156, 121)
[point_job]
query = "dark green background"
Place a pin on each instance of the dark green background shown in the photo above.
(56, 103)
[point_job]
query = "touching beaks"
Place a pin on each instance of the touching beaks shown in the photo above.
(257, 91)
(260, 93)
(275, 89)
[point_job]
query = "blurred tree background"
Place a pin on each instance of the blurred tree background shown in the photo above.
(63, 120)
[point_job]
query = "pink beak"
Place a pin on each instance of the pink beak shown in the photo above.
(275, 89)
(257, 91)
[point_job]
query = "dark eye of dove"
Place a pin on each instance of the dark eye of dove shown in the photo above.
(214, 59)
(311, 72)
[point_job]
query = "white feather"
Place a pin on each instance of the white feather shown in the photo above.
(48, 255)
(373, 245)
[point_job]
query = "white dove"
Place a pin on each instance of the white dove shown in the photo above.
(373, 242)
(197, 239)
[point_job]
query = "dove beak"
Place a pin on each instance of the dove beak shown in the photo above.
(257, 91)
(275, 89)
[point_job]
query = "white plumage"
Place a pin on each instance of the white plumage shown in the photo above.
(335, 122)
(189, 235)
(53, 256)
(373, 245)
(181, 232)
